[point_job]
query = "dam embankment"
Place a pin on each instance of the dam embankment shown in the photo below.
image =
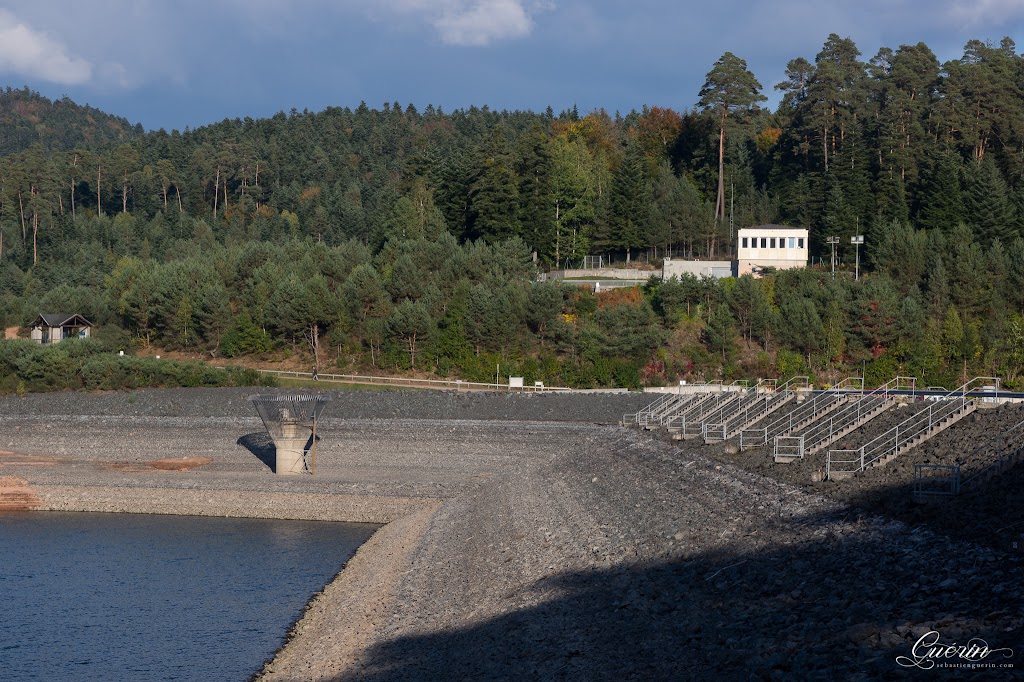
(528, 538)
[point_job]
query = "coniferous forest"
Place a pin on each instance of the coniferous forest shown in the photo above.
(406, 240)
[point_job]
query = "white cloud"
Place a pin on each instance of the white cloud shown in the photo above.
(31, 53)
(484, 21)
(474, 22)
(986, 12)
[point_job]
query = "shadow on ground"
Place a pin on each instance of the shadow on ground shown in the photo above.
(842, 604)
(988, 512)
(261, 445)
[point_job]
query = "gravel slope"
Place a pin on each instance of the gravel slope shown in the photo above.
(631, 559)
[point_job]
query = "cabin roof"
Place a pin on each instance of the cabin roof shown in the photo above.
(61, 320)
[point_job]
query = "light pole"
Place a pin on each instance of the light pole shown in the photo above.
(857, 241)
(833, 241)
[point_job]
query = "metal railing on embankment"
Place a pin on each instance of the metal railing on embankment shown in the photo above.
(772, 400)
(803, 416)
(909, 433)
(851, 417)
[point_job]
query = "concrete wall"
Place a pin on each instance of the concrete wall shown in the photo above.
(698, 268)
(616, 273)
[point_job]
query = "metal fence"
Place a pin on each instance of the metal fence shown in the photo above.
(752, 438)
(789, 446)
(936, 479)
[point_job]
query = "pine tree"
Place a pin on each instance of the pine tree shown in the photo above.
(493, 191)
(1014, 284)
(729, 87)
(891, 193)
(535, 168)
(936, 281)
(941, 199)
(966, 272)
(628, 211)
(720, 333)
(412, 326)
(830, 106)
(988, 208)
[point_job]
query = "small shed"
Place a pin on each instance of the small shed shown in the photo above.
(55, 327)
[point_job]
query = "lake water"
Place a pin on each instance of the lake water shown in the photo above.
(126, 597)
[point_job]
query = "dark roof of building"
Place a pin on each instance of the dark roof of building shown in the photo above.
(62, 320)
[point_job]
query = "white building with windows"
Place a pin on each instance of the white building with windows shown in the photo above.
(774, 246)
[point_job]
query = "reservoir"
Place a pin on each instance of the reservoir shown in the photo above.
(126, 597)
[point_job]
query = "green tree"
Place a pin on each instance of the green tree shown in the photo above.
(729, 87)
(875, 313)
(720, 333)
(628, 330)
(490, 319)
(544, 311)
(411, 324)
(628, 209)
(799, 73)
(575, 177)
(801, 327)
(493, 193)
(749, 305)
(832, 94)
(535, 169)
(131, 286)
(368, 306)
(184, 324)
(988, 206)
(941, 201)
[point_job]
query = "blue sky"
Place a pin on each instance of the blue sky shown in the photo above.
(178, 63)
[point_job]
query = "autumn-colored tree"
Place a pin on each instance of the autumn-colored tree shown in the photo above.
(657, 129)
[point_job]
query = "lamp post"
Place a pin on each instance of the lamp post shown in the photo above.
(833, 241)
(857, 241)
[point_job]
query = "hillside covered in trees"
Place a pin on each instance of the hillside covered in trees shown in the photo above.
(396, 238)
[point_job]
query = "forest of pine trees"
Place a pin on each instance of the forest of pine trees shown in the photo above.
(399, 240)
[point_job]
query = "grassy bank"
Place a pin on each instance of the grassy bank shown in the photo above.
(26, 366)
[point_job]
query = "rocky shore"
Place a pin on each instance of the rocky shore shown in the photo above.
(529, 537)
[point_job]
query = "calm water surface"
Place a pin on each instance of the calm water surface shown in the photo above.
(125, 597)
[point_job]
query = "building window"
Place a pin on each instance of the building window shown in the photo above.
(745, 242)
(773, 243)
(792, 242)
(800, 242)
(764, 242)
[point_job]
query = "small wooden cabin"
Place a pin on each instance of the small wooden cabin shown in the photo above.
(55, 327)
